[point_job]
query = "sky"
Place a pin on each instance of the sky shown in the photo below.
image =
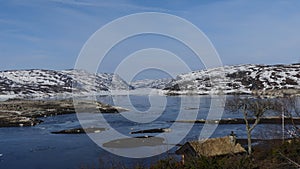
(49, 34)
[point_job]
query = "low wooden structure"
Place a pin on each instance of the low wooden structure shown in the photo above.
(210, 147)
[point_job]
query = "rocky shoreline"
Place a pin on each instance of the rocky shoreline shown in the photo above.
(265, 120)
(19, 112)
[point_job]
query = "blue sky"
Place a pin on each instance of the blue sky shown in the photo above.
(49, 34)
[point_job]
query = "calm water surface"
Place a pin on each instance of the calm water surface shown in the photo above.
(36, 148)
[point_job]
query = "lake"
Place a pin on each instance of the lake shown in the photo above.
(37, 148)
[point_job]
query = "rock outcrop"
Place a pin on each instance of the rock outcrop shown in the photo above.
(18, 112)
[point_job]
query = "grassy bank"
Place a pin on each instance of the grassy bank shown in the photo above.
(267, 154)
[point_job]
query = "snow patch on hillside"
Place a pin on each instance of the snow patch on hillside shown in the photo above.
(46, 83)
(241, 79)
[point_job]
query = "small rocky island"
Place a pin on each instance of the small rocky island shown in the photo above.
(19, 112)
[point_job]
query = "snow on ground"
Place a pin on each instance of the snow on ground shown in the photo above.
(237, 79)
(150, 83)
(48, 83)
(242, 79)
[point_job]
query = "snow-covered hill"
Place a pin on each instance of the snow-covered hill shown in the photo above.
(37, 82)
(241, 79)
(150, 83)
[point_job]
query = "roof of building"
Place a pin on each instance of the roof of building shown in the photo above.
(212, 147)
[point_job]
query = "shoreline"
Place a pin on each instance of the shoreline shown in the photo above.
(264, 120)
(19, 113)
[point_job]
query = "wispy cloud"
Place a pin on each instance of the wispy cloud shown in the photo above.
(251, 32)
(242, 31)
(109, 4)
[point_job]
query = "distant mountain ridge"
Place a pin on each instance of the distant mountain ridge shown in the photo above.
(36, 82)
(239, 79)
(151, 83)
